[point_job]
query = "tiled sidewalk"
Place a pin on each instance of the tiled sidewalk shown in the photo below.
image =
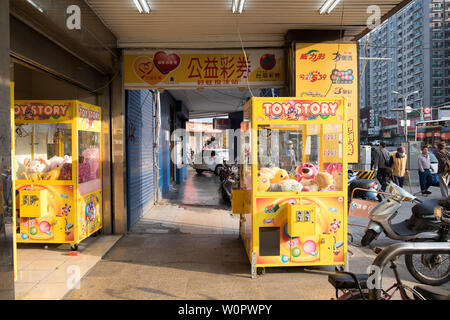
(44, 273)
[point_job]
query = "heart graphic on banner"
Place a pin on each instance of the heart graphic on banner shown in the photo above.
(145, 69)
(166, 62)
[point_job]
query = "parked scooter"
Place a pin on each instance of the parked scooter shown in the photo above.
(230, 180)
(421, 226)
(433, 269)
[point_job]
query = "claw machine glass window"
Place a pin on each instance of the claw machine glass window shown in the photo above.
(43, 151)
(310, 154)
(88, 162)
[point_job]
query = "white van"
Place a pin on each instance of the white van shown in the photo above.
(210, 160)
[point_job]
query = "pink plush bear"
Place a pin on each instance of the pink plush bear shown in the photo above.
(91, 156)
(306, 173)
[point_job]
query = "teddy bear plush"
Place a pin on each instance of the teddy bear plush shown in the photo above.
(306, 173)
(34, 169)
(324, 181)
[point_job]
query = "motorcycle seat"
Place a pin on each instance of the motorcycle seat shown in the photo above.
(425, 208)
(432, 293)
(345, 281)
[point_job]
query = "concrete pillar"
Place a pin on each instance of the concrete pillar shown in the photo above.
(7, 231)
(118, 156)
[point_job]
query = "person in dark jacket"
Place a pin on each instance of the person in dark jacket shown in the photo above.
(381, 165)
(443, 157)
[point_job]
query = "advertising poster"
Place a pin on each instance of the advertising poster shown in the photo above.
(204, 68)
(331, 70)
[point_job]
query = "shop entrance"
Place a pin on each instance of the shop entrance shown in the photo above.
(192, 146)
(179, 104)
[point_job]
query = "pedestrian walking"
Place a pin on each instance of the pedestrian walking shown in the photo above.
(381, 165)
(443, 157)
(424, 171)
(398, 164)
(373, 153)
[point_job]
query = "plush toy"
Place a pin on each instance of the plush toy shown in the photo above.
(91, 156)
(335, 169)
(66, 172)
(52, 174)
(324, 181)
(84, 172)
(263, 182)
(279, 176)
(269, 171)
(306, 173)
(58, 162)
(291, 185)
(34, 169)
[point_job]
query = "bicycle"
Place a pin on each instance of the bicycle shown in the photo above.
(355, 287)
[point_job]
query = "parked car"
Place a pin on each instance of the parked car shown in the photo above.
(211, 160)
(434, 169)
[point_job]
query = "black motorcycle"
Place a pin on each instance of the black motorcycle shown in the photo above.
(230, 179)
(432, 269)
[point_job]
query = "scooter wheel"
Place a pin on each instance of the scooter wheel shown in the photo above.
(431, 269)
(368, 237)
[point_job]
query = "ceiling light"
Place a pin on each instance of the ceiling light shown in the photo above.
(138, 5)
(329, 5)
(325, 6)
(333, 6)
(36, 6)
(238, 6)
(145, 6)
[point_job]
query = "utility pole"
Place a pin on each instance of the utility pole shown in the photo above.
(405, 112)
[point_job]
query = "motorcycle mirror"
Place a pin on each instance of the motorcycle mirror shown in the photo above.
(437, 211)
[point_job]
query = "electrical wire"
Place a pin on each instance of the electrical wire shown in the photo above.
(245, 56)
(339, 45)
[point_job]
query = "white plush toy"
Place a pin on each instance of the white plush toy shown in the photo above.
(58, 162)
(35, 169)
(291, 185)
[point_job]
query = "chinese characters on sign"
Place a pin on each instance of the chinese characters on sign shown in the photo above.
(204, 68)
(329, 69)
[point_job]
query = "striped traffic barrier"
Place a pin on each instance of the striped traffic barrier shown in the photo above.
(365, 174)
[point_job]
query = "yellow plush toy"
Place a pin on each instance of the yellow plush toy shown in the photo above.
(269, 172)
(263, 182)
(279, 176)
(52, 174)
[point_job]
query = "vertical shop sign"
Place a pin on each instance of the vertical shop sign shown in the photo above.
(331, 70)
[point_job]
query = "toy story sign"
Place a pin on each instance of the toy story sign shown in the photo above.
(204, 68)
(88, 117)
(297, 109)
(331, 70)
(43, 110)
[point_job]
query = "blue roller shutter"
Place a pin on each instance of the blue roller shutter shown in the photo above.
(140, 153)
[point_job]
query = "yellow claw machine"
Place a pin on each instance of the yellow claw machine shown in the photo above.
(57, 170)
(293, 187)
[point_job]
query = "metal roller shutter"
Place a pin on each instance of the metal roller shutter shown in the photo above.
(141, 171)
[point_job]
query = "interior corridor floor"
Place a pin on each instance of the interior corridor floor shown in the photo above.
(199, 190)
(194, 207)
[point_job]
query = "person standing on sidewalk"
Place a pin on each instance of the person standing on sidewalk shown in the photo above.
(398, 164)
(443, 157)
(424, 171)
(381, 165)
